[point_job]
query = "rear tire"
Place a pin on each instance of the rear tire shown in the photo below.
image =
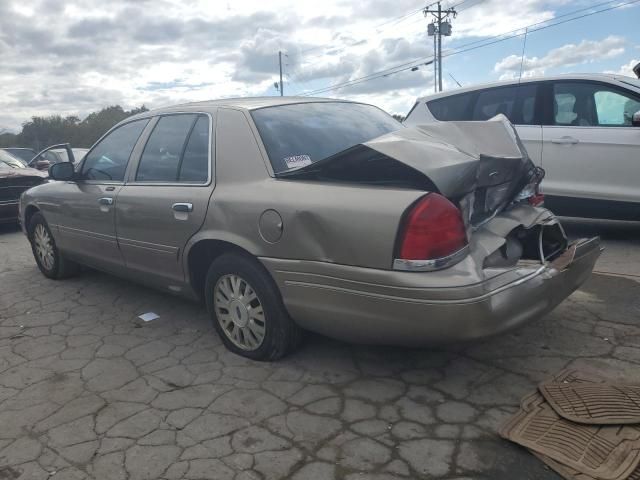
(50, 261)
(246, 309)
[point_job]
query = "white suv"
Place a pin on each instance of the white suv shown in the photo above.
(584, 130)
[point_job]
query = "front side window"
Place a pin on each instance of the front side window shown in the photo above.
(177, 151)
(300, 134)
(455, 107)
(615, 109)
(109, 158)
(592, 104)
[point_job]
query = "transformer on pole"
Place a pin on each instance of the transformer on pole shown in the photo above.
(437, 28)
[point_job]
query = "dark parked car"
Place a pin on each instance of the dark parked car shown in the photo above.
(15, 178)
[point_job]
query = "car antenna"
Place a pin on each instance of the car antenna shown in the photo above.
(454, 79)
(524, 45)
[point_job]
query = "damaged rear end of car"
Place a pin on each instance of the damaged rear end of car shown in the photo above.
(475, 253)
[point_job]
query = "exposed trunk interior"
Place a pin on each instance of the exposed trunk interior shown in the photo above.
(363, 165)
(540, 242)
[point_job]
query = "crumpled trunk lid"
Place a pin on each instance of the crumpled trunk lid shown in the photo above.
(482, 166)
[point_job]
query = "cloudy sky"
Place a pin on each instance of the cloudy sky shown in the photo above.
(77, 56)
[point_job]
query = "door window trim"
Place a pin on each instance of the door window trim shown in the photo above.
(131, 156)
(548, 114)
(130, 176)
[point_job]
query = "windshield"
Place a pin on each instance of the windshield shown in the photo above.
(7, 159)
(300, 134)
(25, 154)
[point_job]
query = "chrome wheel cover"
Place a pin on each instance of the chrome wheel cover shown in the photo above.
(239, 312)
(43, 244)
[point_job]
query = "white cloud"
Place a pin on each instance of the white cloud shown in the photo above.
(626, 69)
(76, 56)
(586, 51)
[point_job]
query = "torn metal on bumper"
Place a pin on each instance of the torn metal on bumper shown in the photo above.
(342, 302)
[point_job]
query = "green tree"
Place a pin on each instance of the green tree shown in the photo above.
(40, 132)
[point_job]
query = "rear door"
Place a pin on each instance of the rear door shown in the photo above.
(165, 199)
(590, 147)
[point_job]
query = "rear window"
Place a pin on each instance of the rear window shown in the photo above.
(300, 134)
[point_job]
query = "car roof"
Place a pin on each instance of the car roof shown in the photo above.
(246, 103)
(608, 77)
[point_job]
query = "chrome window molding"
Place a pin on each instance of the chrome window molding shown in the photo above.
(175, 184)
(431, 265)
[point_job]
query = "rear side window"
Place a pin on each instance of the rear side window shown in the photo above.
(455, 107)
(495, 101)
(525, 112)
(195, 161)
(298, 135)
(108, 159)
(177, 151)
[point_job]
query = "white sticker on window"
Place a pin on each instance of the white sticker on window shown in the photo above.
(298, 161)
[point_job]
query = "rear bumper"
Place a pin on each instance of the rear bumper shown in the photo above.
(354, 304)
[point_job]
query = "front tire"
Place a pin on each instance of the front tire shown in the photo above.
(50, 261)
(247, 310)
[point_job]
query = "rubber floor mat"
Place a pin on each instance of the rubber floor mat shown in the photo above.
(597, 404)
(569, 473)
(602, 452)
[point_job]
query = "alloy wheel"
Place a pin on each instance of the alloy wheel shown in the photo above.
(239, 312)
(44, 246)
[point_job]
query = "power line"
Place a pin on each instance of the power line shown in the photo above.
(393, 21)
(487, 42)
(375, 27)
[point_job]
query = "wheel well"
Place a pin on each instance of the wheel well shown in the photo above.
(202, 254)
(29, 212)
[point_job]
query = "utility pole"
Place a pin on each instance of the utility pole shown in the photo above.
(440, 26)
(280, 62)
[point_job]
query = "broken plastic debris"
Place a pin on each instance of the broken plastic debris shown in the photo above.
(149, 316)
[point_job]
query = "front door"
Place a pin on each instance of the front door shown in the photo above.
(590, 147)
(165, 201)
(83, 211)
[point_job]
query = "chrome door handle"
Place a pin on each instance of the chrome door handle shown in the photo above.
(565, 141)
(182, 207)
(105, 201)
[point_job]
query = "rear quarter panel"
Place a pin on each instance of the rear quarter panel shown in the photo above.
(338, 223)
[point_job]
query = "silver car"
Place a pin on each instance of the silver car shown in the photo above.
(285, 214)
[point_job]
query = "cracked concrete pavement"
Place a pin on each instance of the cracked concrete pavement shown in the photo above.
(88, 391)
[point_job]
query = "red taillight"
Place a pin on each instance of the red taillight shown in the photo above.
(536, 200)
(433, 229)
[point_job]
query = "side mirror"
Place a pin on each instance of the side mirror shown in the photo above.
(64, 171)
(635, 119)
